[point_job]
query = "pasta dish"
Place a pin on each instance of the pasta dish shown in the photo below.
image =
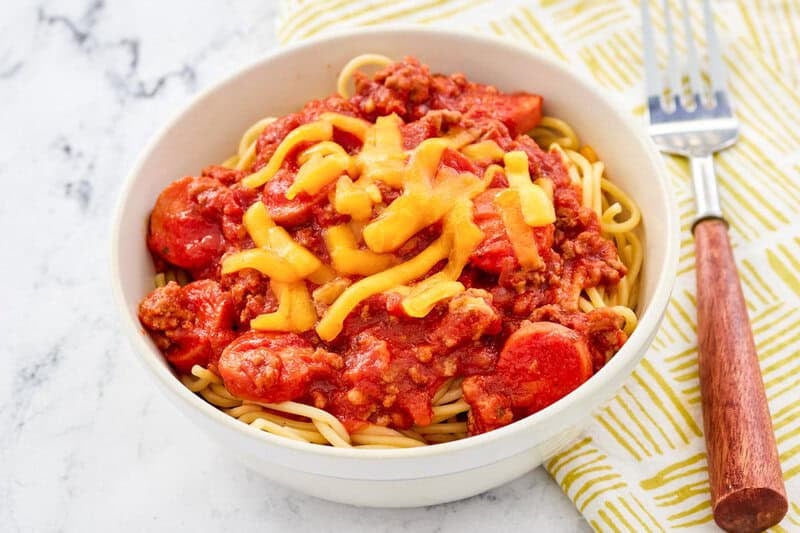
(413, 260)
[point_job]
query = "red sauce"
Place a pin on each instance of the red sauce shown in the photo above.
(517, 337)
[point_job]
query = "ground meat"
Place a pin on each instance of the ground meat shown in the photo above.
(311, 237)
(191, 325)
(432, 124)
(408, 89)
(251, 295)
(224, 175)
(394, 363)
(470, 316)
(595, 257)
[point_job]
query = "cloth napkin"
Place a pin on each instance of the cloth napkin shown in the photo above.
(640, 465)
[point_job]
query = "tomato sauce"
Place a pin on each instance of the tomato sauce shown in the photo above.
(516, 336)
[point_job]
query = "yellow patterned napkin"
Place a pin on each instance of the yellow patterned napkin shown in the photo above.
(640, 465)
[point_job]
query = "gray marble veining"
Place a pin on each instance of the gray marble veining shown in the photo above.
(87, 444)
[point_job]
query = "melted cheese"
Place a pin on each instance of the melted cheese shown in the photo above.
(276, 255)
(346, 256)
(354, 200)
(424, 297)
(463, 236)
(429, 193)
(327, 293)
(265, 261)
(318, 172)
(321, 149)
(278, 320)
(425, 199)
(517, 229)
(483, 152)
(295, 309)
(331, 323)
(537, 209)
(382, 157)
(312, 132)
(458, 138)
(352, 125)
(416, 208)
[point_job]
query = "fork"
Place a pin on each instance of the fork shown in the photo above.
(747, 492)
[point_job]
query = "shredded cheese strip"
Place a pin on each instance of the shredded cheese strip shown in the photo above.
(295, 309)
(322, 149)
(318, 172)
(276, 255)
(430, 193)
(314, 131)
(331, 323)
(483, 151)
(356, 201)
(265, 261)
(347, 258)
(278, 320)
(463, 236)
(537, 208)
(519, 233)
(415, 209)
(353, 125)
(422, 300)
(382, 157)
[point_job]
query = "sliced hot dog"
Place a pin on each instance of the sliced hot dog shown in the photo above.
(539, 364)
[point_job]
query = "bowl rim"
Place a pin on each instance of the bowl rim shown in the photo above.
(634, 347)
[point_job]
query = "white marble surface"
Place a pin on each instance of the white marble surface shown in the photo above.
(86, 443)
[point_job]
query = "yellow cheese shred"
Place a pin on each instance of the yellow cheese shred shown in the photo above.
(295, 309)
(537, 209)
(318, 172)
(322, 149)
(382, 157)
(463, 236)
(354, 200)
(415, 209)
(276, 255)
(422, 299)
(327, 293)
(330, 325)
(278, 320)
(347, 258)
(353, 125)
(313, 132)
(429, 193)
(483, 151)
(265, 261)
(517, 229)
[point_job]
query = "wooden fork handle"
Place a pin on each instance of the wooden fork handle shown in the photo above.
(746, 483)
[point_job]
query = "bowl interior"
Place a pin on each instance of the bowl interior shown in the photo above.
(209, 129)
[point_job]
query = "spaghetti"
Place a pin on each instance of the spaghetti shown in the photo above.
(302, 422)
(368, 260)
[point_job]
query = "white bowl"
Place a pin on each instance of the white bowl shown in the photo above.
(208, 130)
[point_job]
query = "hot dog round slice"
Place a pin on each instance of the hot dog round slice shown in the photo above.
(540, 363)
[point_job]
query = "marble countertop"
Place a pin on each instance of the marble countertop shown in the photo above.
(87, 442)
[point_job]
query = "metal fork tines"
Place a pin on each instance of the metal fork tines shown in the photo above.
(698, 121)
